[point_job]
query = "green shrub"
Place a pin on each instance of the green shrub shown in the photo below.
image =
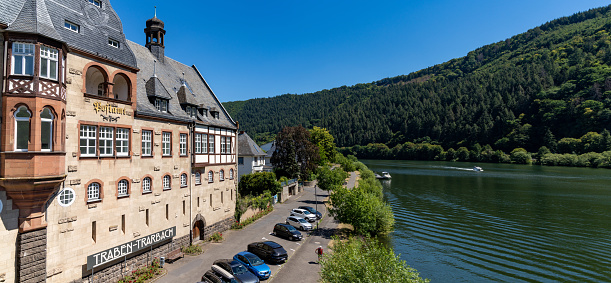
(216, 237)
(143, 274)
(192, 249)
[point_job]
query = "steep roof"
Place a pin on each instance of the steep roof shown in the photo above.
(34, 18)
(169, 73)
(248, 147)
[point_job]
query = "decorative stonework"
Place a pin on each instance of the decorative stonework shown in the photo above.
(76, 72)
(66, 230)
(157, 168)
(67, 220)
(72, 168)
(136, 180)
(92, 205)
(70, 113)
(75, 182)
(113, 228)
(136, 131)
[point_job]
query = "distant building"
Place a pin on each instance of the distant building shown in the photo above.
(111, 153)
(251, 158)
(269, 167)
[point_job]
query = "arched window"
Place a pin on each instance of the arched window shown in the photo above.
(95, 81)
(46, 130)
(183, 180)
(198, 178)
(22, 128)
(93, 192)
(210, 176)
(166, 182)
(121, 88)
(146, 185)
(122, 188)
(230, 174)
(222, 175)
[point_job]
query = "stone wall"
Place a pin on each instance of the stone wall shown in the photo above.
(32, 256)
(220, 227)
(115, 272)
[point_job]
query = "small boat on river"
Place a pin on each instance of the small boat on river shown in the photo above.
(384, 176)
(477, 169)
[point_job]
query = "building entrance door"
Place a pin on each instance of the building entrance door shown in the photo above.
(198, 230)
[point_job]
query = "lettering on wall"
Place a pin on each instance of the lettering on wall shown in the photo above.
(109, 109)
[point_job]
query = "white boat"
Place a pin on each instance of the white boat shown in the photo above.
(477, 169)
(384, 175)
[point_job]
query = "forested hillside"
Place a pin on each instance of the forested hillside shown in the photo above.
(531, 90)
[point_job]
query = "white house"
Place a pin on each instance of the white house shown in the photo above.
(251, 158)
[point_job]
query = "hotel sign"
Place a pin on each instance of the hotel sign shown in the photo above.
(126, 249)
(109, 109)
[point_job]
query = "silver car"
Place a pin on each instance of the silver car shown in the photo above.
(303, 214)
(298, 223)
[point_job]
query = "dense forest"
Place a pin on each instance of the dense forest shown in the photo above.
(535, 89)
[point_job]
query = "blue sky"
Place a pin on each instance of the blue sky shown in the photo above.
(251, 49)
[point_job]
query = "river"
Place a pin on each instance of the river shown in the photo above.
(509, 223)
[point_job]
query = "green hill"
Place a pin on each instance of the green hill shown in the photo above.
(549, 83)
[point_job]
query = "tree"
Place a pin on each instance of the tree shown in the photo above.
(330, 179)
(365, 260)
(295, 154)
(257, 183)
(367, 213)
(325, 142)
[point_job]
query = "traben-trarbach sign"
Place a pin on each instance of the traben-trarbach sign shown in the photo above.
(129, 248)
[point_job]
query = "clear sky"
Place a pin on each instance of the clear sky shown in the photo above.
(250, 49)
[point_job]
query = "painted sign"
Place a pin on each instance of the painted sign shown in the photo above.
(109, 109)
(126, 249)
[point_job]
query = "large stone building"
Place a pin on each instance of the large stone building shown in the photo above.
(111, 153)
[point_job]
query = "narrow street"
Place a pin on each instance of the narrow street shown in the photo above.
(301, 265)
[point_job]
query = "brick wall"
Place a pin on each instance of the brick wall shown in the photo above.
(32, 256)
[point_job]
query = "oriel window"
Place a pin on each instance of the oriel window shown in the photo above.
(23, 59)
(22, 128)
(48, 63)
(46, 130)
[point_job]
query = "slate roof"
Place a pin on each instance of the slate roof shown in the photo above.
(169, 72)
(248, 147)
(47, 17)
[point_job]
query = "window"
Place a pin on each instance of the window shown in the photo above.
(161, 105)
(46, 130)
(167, 212)
(211, 143)
(88, 140)
(93, 231)
(230, 174)
(183, 180)
(146, 185)
(96, 3)
(48, 62)
(66, 197)
(122, 142)
(183, 144)
(113, 43)
(147, 217)
(198, 143)
(240, 160)
(123, 223)
(166, 144)
(147, 138)
(23, 59)
(223, 138)
(210, 200)
(122, 188)
(191, 111)
(106, 141)
(222, 175)
(204, 143)
(198, 178)
(210, 176)
(221, 197)
(22, 128)
(93, 192)
(228, 145)
(72, 26)
(167, 182)
(184, 207)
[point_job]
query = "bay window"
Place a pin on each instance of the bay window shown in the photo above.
(210, 144)
(48, 62)
(46, 130)
(22, 128)
(23, 59)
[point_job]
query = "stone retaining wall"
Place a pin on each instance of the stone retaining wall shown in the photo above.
(220, 227)
(32, 256)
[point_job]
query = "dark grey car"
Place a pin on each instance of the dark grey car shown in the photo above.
(238, 270)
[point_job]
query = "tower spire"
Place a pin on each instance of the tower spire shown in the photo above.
(155, 12)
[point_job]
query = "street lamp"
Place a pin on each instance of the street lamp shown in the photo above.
(316, 204)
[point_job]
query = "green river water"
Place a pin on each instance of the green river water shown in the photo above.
(509, 223)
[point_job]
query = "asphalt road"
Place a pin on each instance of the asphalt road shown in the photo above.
(301, 265)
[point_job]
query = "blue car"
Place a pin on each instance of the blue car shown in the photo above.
(254, 264)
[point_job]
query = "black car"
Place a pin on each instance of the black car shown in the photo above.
(287, 231)
(312, 210)
(238, 270)
(218, 275)
(268, 251)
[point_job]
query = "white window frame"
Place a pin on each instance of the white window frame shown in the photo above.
(86, 133)
(50, 121)
(96, 3)
(146, 185)
(228, 145)
(210, 144)
(106, 141)
(183, 144)
(48, 62)
(122, 188)
(22, 119)
(210, 176)
(198, 143)
(93, 192)
(198, 178)
(122, 142)
(161, 105)
(23, 52)
(167, 182)
(223, 144)
(183, 180)
(147, 141)
(72, 26)
(66, 197)
(166, 144)
(204, 143)
(113, 43)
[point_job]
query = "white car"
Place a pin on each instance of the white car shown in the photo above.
(303, 214)
(298, 223)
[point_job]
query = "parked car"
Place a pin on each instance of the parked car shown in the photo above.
(303, 214)
(238, 270)
(254, 264)
(287, 231)
(212, 276)
(298, 223)
(312, 210)
(269, 251)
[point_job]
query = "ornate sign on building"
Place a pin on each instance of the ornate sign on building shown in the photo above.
(109, 109)
(126, 249)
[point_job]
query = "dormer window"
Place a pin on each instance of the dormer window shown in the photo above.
(96, 3)
(215, 114)
(71, 26)
(113, 43)
(191, 111)
(161, 105)
(204, 112)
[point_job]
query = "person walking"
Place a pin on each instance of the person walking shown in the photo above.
(318, 252)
